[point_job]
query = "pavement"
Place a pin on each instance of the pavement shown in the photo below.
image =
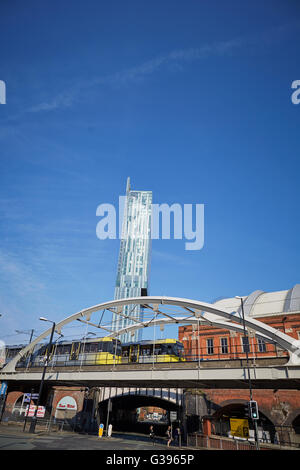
(13, 438)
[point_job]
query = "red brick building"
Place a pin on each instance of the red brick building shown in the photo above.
(279, 410)
(280, 310)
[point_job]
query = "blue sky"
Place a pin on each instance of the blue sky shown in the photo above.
(192, 100)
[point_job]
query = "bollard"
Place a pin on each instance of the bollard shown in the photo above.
(100, 432)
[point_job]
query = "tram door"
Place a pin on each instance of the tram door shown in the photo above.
(75, 350)
(134, 353)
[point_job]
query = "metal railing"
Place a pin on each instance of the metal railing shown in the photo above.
(195, 354)
(46, 424)
(234, 352)
(268, 439)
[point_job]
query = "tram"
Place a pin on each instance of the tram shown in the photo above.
(148, 351)
(68, 353)
(99, 351)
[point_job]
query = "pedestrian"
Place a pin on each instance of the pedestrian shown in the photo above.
(151, 434)
(169, 436)
(176, 436)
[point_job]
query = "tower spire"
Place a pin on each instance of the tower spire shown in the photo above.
(128, 185)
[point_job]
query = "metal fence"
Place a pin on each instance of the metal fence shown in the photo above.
(46, 424)
(223, 443)
(195, 354)
(233, 352)
(269, 438)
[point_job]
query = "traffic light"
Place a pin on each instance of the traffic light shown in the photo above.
(253, 409)
(247, 410)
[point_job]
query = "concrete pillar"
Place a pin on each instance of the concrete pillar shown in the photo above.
(283, 434)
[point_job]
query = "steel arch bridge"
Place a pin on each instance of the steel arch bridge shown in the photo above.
(191, 312)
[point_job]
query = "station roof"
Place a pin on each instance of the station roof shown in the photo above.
(260, 303)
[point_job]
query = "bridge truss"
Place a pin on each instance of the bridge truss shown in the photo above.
(162, 311)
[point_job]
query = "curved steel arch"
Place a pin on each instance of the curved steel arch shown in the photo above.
(201, 311)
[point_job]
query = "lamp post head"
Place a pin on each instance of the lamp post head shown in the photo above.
(43, 319)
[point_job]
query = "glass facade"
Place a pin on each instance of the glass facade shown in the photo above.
(134, 259)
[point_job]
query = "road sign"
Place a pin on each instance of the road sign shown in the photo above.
(173, 416)
(3, 388)
(101, 427)
(30, 396)
(30, 409)
(239, 428)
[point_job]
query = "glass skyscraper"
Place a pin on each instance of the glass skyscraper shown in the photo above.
(134, 258)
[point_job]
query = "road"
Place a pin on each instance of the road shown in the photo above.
(15, 439)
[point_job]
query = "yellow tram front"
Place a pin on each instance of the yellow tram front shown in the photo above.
(97, 351)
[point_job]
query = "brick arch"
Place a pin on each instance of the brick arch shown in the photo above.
(232, 401)
(78, 394)
(11, 399)
(292, 416)
(240, 401)
(58, 398)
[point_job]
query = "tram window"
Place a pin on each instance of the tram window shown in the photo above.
(62, 349)
(105, 346)
(89, 347)
(116, 347)
(167, 349)
(12, 353)
(95, 347)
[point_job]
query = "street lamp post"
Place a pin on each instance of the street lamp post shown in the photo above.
(34, 418)
(246, 343)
